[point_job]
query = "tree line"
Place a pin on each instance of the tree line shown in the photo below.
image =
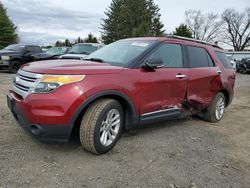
(89, 39)
(142, 18)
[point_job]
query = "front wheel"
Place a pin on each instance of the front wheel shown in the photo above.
(215, 111)
(14, 66)
(101, 126)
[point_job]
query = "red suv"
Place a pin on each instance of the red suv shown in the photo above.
(129, 82)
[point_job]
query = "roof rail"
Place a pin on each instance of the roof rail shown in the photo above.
(193, 40)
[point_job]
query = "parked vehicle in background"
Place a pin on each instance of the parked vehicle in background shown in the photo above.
(14, 56)
(239, 55)
(52, 53)
(232, 61)
(81, 50)
(127, 83)
(244, 65)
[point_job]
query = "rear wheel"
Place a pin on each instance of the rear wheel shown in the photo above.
(14, 66)
(215, 111)
(101, 126)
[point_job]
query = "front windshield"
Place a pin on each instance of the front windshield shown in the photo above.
(83, 49)
(121, 53)
(56, 51)
(14, 47)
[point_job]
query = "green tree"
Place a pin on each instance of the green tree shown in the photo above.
(182, 30)
(58, 44)
(67, 42)
(79, 40)
(91, 39)
(7, 29)
(130, 18)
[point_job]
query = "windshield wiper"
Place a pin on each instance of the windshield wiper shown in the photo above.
(95, 59)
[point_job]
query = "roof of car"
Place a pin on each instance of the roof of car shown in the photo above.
(179, 39)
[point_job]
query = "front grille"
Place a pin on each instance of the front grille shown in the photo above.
(23, 88)
(24, 82)
(27, 78)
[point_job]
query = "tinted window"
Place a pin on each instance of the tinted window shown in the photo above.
(224, 60)
(170, 54)
(30, 49)
(198, 57)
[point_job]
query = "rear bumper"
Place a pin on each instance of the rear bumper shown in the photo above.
(44, 132)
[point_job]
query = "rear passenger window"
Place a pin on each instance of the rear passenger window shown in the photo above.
(170, 54)
(198, 57)
(224, 60)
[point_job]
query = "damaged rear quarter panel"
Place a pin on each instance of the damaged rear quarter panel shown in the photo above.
(202, 86)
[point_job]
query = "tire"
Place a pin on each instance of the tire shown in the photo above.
(215, 111)
(96, 135)
(14, 66)
(244, 71)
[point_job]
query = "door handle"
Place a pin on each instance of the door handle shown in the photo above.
(219, 71)
(180, 76)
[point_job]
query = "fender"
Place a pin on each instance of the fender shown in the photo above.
(16, 59)
(131, 117)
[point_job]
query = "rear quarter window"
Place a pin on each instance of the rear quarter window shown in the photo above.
(225, 61)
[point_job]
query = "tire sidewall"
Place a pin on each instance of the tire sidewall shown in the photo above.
(215, 101)
(97, 143)
(12, 66)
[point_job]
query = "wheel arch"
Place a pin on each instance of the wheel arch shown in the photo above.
(226, 95)
(16, 59)
(131, 117)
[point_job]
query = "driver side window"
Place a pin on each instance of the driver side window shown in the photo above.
(29, 49)
(170, 54)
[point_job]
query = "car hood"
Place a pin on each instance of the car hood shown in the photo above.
(71, 67)
(44, 55)
(73, 56)
(7, 52)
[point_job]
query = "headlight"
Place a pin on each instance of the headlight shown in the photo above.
(48, 83)
(5, 57)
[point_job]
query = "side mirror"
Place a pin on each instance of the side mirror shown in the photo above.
(152, 64)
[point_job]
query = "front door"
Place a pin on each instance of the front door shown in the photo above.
(164, 89)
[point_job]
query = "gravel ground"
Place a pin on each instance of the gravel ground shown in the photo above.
(184, 153)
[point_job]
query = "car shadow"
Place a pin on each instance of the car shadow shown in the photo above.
(74, 143)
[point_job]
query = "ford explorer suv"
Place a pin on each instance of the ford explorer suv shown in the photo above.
(14, 56)
(81, 50)
(128, 83)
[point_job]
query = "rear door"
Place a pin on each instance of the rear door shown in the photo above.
(164, 89)
(204, 78)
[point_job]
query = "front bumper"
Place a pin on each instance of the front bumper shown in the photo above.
(41, 131)
(4, 63)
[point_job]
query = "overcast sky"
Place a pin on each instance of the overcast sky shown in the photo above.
(41, 21)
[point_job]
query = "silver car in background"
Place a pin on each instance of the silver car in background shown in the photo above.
(81, 50)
